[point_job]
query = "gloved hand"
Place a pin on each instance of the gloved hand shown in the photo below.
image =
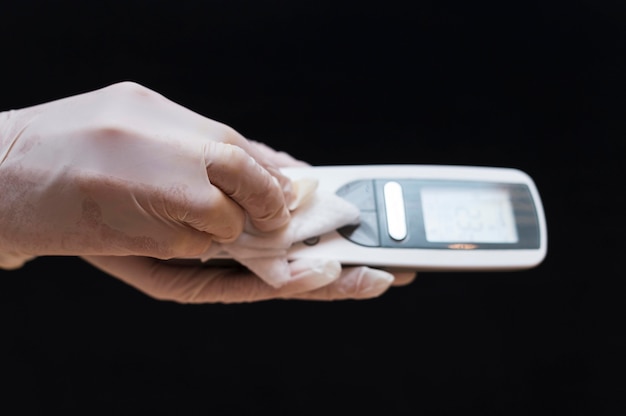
(124, 171)
(124, 178)
(265, 254)
(314, 213)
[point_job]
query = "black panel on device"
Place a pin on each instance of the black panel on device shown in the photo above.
(480, 198)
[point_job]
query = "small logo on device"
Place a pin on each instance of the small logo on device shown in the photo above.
(462, 246)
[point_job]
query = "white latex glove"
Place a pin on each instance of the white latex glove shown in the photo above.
(305, 279)
(124, 171)
(124, 178)
(319, 280)
(314, 213)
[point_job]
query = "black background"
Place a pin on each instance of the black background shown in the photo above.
(535, 85)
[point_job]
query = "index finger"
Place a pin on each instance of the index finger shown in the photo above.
(244, 180)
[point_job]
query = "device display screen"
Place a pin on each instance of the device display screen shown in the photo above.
(442, 214)
(470, 215)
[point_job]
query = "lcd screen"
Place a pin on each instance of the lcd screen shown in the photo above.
(473, 215)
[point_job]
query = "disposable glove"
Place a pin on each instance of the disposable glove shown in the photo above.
(316, 280)
(125, 178)
(314, 213)
(124, 171)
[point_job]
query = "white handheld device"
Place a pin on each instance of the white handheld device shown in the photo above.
(431, 217)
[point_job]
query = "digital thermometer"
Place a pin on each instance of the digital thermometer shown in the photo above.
(431, 217)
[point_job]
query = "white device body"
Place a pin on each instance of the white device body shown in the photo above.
(486, 250)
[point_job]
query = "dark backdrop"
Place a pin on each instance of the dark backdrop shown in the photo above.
(531, 85)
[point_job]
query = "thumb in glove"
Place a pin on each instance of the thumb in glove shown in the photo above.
(313, 213)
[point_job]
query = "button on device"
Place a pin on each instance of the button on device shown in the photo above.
(361, 193)
(394, 208)
(365, 232)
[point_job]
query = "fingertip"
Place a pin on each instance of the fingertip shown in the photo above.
(356, 282)
(310, 274)
(403, 277)
(250, 185)
(328, 269)
(303, 190)
(281, 215)
(374, 282)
